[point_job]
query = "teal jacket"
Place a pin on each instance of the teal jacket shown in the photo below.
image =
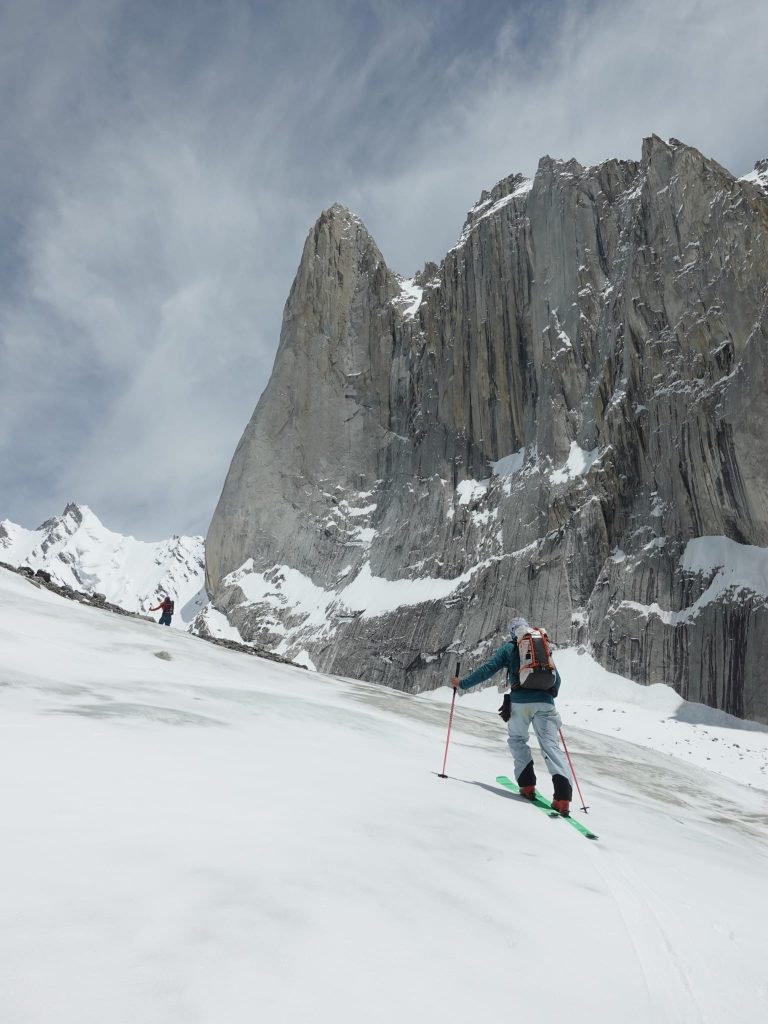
(508, 657)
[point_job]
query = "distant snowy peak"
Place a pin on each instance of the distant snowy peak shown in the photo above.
(80, 552)
(759, 175)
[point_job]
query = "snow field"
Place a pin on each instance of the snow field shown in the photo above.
(215, 838)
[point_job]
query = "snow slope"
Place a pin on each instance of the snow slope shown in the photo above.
(191, 835)
(80, 552)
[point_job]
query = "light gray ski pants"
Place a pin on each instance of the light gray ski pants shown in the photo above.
(546, 723)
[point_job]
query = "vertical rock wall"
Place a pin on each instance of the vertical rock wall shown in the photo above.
(542, 424)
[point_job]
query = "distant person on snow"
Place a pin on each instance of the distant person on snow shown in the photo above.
(534, 682)
(167, 608)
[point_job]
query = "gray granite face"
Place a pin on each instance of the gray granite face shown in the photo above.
(605, 327)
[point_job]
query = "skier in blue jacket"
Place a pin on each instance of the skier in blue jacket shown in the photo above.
(528, 707)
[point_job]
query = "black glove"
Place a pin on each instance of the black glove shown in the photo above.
(505, 711)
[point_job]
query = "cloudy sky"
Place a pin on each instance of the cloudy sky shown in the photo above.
(161, 162)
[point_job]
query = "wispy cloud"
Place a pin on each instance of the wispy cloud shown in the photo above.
(161, 165)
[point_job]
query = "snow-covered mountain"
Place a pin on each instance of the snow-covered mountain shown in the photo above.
(759, 175)
(202, 836)
(80, 552)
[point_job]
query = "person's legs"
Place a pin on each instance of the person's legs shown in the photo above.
(165, 619)
(517, 740)
(546, 725)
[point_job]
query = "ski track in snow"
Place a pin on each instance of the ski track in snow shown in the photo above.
(669, 993)
(203, 836)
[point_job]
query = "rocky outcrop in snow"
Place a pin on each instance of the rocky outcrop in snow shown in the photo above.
(551, 422)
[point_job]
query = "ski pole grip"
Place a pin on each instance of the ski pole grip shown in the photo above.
(458, 668)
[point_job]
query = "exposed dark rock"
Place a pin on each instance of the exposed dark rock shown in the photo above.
(257, 652)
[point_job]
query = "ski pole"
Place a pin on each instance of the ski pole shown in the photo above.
(573, 772)
(442, 774)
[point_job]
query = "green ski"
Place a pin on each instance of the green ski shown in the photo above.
(545, 805)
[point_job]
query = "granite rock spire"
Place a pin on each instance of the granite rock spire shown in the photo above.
(564, 419)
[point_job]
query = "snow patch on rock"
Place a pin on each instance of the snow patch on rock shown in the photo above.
(508, 465)
(578, 463)
(739, 570)
(468, 491)
(410, 297)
